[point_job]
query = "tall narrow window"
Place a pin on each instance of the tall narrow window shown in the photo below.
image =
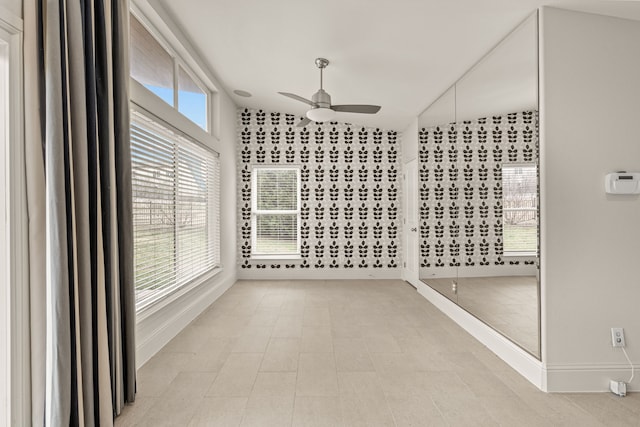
(176, 199)
(520, 210)
(275, 211)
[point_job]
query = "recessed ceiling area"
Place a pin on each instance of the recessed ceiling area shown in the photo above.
(401, 55)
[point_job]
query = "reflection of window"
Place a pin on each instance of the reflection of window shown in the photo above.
(520, 209)
(158, 70)
(275, 200)
(175, 209)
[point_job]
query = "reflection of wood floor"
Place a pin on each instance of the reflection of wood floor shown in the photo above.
(509, 304)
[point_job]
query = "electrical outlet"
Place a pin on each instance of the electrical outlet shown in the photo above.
(617, 337)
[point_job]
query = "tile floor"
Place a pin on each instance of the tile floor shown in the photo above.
(344, 353)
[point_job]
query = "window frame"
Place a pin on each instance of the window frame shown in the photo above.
(535, 210)
(143, 100)
(174, 291)
(182, 58)
(14, 302)
(255, 212)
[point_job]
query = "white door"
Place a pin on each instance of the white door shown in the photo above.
(410, 224)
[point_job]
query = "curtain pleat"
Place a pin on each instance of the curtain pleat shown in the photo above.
(80, 211)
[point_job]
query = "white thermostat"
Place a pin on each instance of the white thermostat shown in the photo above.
(622, 183)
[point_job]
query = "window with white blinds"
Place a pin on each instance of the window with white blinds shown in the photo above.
(520, 209)
(176, 198)
(275, 211)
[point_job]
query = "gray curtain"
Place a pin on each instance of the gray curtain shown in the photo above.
(80, 213)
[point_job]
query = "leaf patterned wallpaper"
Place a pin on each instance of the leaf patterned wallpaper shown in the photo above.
(460, 178)
(351, 185)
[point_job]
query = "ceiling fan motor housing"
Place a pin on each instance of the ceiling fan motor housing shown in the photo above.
(322, 99)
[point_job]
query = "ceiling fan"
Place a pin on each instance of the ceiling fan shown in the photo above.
(321, 108)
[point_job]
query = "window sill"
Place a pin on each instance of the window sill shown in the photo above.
(154, 306)
(519, 254)
(276, 257)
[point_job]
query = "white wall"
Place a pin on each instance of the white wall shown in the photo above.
(410, 142)
(12, 6)
(590, 110)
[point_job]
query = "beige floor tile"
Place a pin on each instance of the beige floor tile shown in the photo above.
(485, 384)
(237, 376)
(317, 412)
(263, 318)
(373, 353)
(316, 316)
(219, 412)
(171, 412)
(362, 400)
(353, 361)
(254, 339)
(512, 411)
(190, 340)
(211, 356)
(317, 375)
(316, 339)
(414, 410)
(133, 415)
(275, 384)
(463, 411)
(287, 327)
(282, 355)
(393, 362)
(156, 375)
(189, 385)
(268, 411)
(381, 343)
(607, 411)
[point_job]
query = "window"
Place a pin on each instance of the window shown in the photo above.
(176, 195)
(162, 73)
(275, 208)
(520, 210)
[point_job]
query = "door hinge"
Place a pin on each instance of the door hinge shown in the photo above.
(405, 265)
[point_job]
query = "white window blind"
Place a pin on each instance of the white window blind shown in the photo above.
(520, 209)
(275, 209)
(176, 198)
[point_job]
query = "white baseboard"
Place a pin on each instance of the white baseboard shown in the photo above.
(583, 378)
(524, 363)
(478, 271)
(319, 274)
(155, 331)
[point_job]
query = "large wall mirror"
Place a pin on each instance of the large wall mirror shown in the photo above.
(478, 186)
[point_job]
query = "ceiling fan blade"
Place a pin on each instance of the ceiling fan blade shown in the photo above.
(304, 122)
(365, 109)
(297, 98)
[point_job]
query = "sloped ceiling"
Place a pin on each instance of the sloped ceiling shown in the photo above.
(400, 54)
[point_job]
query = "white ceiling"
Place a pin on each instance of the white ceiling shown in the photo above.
(400, 54)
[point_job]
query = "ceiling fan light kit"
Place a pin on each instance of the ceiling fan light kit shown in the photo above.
(321, 114)
(321, 108)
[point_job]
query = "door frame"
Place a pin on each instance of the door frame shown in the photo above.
(410, 229)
